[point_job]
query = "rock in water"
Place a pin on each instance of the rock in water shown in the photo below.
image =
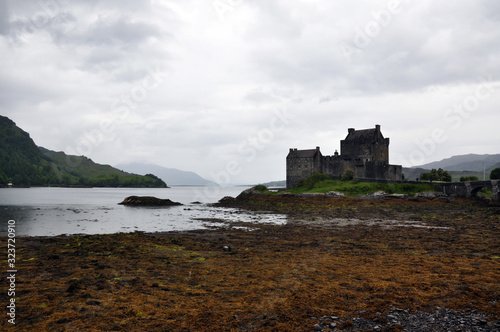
(227, 199)
(147, 201)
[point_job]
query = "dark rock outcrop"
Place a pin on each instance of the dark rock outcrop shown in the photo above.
(147, 201)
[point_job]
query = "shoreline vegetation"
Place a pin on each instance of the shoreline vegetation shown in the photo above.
(322, 185)
(339, 263)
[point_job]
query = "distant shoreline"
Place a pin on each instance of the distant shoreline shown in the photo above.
(79, 187)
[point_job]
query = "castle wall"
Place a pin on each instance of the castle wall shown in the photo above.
(365, 150)
(334, 166)
(298, 168)
(394, 172)
(382, 151)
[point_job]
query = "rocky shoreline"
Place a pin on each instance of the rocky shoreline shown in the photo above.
(336, 194)
(397, 319)
(338, 264)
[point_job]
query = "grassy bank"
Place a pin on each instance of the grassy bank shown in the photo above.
(321, 184)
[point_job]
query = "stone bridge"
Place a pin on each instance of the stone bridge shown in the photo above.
(470, 188)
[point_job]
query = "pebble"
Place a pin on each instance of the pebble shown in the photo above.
(317, 327)
(439, 319)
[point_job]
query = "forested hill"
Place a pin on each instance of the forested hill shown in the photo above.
(23, 163)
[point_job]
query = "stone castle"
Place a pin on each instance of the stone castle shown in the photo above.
(365, 151)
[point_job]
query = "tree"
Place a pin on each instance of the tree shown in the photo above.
(469, 178)
(495, 174)
(425, 176)
(445, 176)
(66, 180)
(3, 180)
(436, 175)
(114, 182)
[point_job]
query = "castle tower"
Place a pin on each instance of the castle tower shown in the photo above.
(365, 145)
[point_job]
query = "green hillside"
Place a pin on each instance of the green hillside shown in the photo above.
(22, 163)
(80, 170)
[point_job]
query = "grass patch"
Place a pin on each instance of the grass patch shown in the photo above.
(485, 192)
(355, 187)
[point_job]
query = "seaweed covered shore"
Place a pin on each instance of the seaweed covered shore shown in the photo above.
(339, 264)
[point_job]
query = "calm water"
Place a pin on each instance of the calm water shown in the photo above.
(55, 211)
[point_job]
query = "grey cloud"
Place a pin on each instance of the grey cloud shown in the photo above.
(4, 18)
(491, 10)
(257, 96)
(276, 21)
(123, 31)
(407, 54)
(21, 20)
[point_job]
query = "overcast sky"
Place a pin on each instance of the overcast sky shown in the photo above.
(224, 88)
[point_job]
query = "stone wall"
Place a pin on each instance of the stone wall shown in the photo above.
(470, 188)
(334, 166)
(301, 164)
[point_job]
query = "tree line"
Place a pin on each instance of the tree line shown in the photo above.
(444, 176)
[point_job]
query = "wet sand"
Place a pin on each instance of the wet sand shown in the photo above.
(335, 257)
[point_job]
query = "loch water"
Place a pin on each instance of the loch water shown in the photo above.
(56, 211)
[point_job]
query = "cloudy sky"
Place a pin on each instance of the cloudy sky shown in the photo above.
(225, 87)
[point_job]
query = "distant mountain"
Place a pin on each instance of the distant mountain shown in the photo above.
(22, 163)
(275, 184)
(468, 162)
(463, 165)
(171, 176)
